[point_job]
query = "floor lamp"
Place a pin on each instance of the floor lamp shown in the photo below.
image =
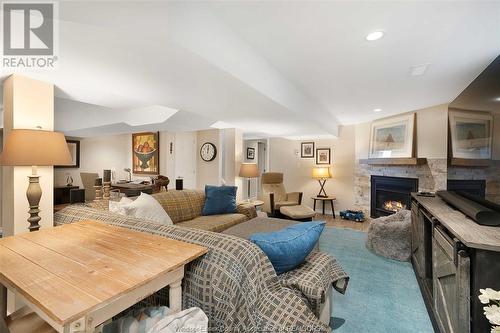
(24, 147)
(248, 171)
(321, 174)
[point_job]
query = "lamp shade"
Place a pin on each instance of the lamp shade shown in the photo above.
(321, 173)
(249, 170)
(25, 147)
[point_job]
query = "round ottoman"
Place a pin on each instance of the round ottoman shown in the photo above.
(390, 236)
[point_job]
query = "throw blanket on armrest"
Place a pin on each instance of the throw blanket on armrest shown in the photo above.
(234, 283)
(314, 277)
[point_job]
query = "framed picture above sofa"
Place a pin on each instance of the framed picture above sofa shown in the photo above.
(471, 134)
(323, 156)
(393, 137)
(307, 150)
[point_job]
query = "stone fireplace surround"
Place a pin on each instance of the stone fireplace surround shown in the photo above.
(432, 177)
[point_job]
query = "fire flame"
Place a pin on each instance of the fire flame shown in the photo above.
(394, 206)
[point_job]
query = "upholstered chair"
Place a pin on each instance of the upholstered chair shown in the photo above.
(274, 195)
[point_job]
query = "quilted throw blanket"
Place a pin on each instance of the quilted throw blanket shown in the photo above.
(234, 283)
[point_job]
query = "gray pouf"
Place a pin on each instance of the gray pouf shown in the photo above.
(390, 236)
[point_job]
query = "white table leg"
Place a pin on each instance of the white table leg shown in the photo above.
(175, 296)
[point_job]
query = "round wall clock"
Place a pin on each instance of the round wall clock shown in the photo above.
(208, 152)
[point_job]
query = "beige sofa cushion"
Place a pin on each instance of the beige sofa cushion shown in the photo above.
(215, 223)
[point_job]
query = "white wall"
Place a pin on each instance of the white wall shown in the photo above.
(185, 163)
(114, 152)
(110, 152)
(284, 156)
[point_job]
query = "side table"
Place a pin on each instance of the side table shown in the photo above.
(325, 199)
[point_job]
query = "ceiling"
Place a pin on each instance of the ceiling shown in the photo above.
(293, 69)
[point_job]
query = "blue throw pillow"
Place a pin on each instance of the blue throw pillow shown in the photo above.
(288, 248)
(219, 200)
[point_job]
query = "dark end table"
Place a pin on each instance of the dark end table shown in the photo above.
(325, 199)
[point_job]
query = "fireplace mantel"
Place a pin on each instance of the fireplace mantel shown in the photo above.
(394, 161)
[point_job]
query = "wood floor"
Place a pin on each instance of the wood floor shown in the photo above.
(340, 223)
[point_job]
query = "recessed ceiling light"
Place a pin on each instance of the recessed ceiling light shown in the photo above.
(374, 35)
(497, 99)
(377, 110)
(418, 70)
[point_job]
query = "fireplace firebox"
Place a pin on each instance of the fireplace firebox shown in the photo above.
(473, 187)
(391, 194)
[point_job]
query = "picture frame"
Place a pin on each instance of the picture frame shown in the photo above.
(393, 137)
(307, 150)
(471, 134)
(250, 153)
(74, 150)
(145, 153)
(323, 156)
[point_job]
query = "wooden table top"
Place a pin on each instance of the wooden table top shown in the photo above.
(70, 270)
(465, 229)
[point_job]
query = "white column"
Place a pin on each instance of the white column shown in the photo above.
(27, 103)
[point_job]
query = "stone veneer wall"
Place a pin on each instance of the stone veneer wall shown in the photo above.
(490, 174)
(431, 177)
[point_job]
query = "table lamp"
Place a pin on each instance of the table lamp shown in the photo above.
(25, 147)
(248, 171)
(321, 174)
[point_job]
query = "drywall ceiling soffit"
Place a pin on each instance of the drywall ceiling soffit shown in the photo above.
(193, 26)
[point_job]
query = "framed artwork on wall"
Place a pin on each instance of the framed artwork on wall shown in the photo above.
(323, 156)
(250, 153)
(74, 151)
(393, 137)
(145, 153)
(307, 150)
(471, 134)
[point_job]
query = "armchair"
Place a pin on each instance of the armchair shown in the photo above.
(274, 195)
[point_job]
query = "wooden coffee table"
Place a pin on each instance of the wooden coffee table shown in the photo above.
(77, 276)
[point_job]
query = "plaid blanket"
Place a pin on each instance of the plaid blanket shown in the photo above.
(234, 283)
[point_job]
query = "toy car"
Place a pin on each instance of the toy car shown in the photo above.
(353, 215)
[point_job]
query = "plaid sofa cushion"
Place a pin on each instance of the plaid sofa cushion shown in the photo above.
(234, 283)
(181, 205)
(215, 223)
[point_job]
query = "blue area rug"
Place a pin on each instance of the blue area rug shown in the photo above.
(383, 295)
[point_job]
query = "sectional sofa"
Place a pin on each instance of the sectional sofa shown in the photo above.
(234, 283)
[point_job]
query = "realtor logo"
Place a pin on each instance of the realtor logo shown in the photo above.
(29, 31)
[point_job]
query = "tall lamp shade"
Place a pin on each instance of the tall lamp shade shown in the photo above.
(249, 170)
(321, 174)
(25, 147)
